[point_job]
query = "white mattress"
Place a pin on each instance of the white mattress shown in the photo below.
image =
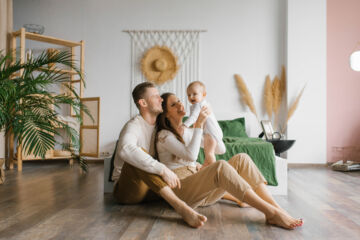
(281, 175)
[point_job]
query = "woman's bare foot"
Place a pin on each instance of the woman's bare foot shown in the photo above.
(299, 221)
(192, 218)
(281, 219)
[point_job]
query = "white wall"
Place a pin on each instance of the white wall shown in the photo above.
(306, 61)
(247, 37)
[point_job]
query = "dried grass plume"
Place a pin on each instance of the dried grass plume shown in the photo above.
(294, 105)
(276, 91)
(245, 94)
(283, 80)
(268, 96)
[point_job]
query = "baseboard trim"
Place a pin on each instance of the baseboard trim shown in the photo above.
(299, 165)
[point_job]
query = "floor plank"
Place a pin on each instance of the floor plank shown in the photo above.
(50, 200)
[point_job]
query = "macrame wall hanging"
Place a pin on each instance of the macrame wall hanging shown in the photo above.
(184, 44)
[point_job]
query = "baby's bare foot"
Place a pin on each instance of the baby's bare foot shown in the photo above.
(281, 219)
(193, 218)
(205, 165)
(207, 162)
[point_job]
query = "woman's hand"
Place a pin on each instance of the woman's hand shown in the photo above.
(204, 113)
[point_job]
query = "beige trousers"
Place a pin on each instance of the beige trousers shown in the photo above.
(208, 185)
(136, 186)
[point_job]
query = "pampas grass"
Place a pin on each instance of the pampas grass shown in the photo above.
(294, 105)
(283, 80)
(245, 94)
(276, 91)
(268, 96)
(274, 95)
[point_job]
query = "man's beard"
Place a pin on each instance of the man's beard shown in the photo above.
(155, 111)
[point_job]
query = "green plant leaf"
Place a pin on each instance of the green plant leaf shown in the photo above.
(28, 106)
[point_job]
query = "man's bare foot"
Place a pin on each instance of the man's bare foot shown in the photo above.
(192, 218)
(189, 215)
(243, 204)
(284, 220)
(228, 196)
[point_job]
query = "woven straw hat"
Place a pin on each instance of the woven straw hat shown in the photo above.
(159, 64)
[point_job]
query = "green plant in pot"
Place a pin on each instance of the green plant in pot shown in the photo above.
(28, 106)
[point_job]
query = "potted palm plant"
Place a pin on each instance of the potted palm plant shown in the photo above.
(28, 106)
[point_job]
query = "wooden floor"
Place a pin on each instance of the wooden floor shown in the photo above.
(49, 200)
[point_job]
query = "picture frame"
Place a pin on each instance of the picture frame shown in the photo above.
(267, 129)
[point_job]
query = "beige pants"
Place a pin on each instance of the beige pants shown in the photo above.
(209, 184)
(136, 186)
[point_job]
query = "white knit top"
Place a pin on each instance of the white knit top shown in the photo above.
(175, 154)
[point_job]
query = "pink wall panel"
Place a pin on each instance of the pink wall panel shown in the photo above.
(343, 84)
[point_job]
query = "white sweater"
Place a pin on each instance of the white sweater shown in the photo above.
(175, 154)
(134, 137)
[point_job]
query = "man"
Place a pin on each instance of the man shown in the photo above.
(135, 170)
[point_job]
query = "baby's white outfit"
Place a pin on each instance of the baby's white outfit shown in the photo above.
(211, 125)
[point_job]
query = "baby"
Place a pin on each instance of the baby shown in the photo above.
(213, 134)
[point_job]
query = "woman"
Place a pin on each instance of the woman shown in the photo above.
(178, 146)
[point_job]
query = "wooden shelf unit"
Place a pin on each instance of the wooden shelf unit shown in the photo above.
(23, 35)
(60, 71)
(42, 38)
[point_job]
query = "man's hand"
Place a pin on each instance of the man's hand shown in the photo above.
(171, 178)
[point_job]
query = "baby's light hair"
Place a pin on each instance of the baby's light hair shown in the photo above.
(196, 83)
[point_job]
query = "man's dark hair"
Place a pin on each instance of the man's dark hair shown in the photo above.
(139, 92)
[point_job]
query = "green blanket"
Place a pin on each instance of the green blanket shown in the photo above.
(260, 151)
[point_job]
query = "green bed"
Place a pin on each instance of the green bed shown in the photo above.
(237, 141)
